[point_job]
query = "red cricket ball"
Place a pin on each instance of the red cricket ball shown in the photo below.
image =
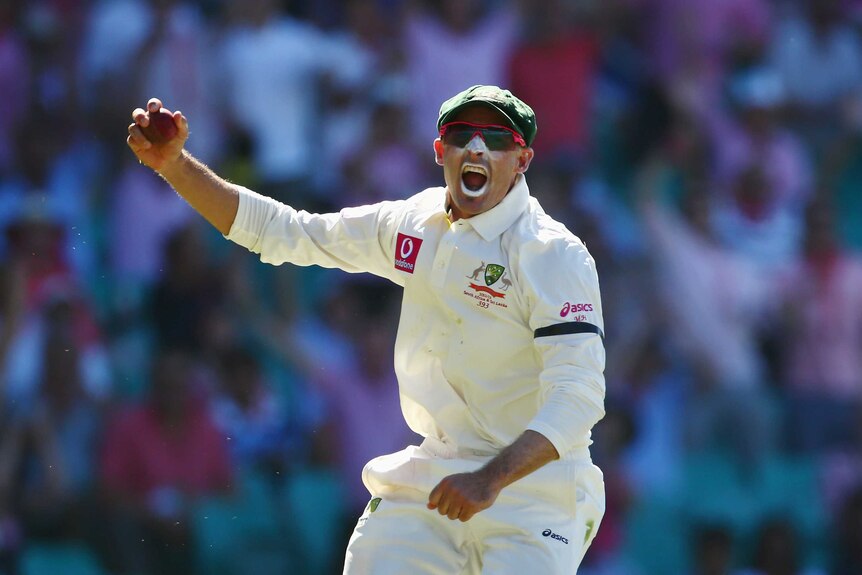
(161, 127)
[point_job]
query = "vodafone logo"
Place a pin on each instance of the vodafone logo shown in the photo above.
(575, 308)
(406, 252)
(406, 247)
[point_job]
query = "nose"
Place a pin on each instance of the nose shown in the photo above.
(476, 145)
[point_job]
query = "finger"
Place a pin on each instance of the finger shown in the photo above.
(434, 498)
(182, 124)
(466, 515)
(137, 139)
(154, 105)
(454, 512)
(139, 116)
(135, 146)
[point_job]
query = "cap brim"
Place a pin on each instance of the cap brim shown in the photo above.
(447, 117)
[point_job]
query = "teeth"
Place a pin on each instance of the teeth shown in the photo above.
(476, 169)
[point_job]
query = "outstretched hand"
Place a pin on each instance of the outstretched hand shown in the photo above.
(156, 155)
(463, 495)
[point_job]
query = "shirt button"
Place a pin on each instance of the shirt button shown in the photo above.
(441, 265)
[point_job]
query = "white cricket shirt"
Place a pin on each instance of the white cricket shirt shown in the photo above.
(501, 319)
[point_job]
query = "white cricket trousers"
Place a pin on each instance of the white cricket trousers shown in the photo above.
(540, 525)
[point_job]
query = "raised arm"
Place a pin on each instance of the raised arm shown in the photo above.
(214, 198)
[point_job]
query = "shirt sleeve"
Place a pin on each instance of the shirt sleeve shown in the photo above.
(566, 319)
(354, 240)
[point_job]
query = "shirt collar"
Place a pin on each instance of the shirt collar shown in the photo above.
(497, 220)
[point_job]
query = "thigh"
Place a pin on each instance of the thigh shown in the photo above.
(530, 534)
(403, 536)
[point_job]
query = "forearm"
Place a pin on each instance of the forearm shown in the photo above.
(462, 495)
(525, 455)
(216, 199)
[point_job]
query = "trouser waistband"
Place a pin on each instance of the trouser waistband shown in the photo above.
(445, 450)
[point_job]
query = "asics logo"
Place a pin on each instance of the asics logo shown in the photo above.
(552, 535)
(573, 308)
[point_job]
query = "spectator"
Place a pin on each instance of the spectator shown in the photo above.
(840, 172)
(42, 281)
(848, 547)
(554, 68)
(184, 295)
(713, 324)
(691, 43)
(12, 298)
(712, 551)
(52, 32)
(612, 437)
(250, 412)
(819, 57)
(144, 214)
(178, 57)
(277, 67)
(777, 551)
(435, 38)
(368, 73)
(60, 427)
(752, 134)
(160, 457)
(656, 392)
(47, 448)
(389, 157)
(172, 47)
(360, 390)
(53, 183)
(821, 324)
(14, 66)
(11, 534)
(755, 224)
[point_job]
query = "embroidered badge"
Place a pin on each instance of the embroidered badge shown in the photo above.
(406, 251)
(485, 295)
(493, 273)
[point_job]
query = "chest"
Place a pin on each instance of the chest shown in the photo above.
(458, 277)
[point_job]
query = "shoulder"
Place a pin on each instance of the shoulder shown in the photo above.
(428, 199)
(421, 205)
(549, 261)
(537, 237)
(422, 201)
(392, 214)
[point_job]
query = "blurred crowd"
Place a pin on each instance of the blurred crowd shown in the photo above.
(170, 405)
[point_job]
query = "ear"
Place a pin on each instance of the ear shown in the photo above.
(438, 151)
(524, 159)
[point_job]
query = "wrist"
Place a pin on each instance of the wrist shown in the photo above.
(172, 168)
(494, 476)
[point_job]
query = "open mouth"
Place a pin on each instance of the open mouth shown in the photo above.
(474, 179)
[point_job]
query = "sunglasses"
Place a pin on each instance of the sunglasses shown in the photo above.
(496, 137)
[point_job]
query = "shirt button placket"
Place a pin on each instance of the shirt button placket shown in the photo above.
(442, 259)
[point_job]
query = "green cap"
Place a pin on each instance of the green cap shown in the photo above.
(520, 117)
